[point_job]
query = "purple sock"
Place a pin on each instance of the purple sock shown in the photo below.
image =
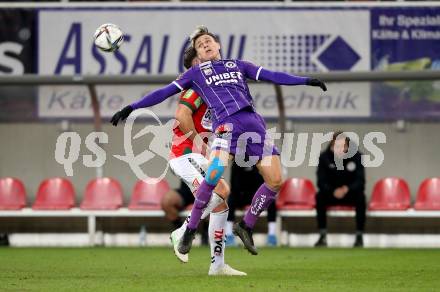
(262, 199)
(203, 196)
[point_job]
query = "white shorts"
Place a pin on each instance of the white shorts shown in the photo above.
(190, 168)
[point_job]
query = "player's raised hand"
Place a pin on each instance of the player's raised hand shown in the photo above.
(317, 83)
(121, 115)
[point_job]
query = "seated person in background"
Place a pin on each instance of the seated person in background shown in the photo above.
(244, 183)
(340, 187)
(176, 201)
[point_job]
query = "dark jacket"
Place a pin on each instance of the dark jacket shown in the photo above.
(330, 178)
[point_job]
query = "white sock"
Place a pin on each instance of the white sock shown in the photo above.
(229, 227)
(216, 232)
(212, 204)
(182, 228)
(272, 228)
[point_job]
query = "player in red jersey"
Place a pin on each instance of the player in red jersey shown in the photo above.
(188, 162)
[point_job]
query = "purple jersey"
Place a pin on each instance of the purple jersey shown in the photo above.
(222, 85)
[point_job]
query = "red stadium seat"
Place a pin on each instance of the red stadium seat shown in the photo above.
(55, 194)
(296, 194)
(428, 195)
(147, 195)
(390, 194)
(102, 194)
(12, 194)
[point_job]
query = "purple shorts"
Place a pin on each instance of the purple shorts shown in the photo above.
(243, 134)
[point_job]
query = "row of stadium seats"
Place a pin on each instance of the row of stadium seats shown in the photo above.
(388, 194)
(296, 194)
(100, 194)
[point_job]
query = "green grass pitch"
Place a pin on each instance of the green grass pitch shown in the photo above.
(274, 269)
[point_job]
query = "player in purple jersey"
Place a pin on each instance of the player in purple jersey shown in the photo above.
(222, 85)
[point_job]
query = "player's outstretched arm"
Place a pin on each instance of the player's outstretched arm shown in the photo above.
(282, 78)
(153, 98)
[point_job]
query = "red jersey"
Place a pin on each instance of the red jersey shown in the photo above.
(202, 121)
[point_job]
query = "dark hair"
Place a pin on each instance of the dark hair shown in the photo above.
(342, 135)
(200, 31)
(188, 57)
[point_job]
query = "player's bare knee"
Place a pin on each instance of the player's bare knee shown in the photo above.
(275, 183)
(222, 189)
(220, 208)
